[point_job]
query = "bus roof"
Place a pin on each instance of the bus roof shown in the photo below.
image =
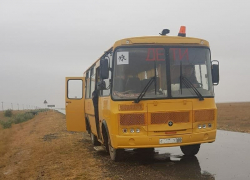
(160, 40)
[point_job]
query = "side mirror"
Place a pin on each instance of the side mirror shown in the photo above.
(104, 68)
(215, 72)
(101, 85)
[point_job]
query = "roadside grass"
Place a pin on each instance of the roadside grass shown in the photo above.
(14, 112)
(8, 113)
(6, 124)
(5, 136)
(16, 117)
(6, 132)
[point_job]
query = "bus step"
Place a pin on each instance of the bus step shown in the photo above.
(99, 148)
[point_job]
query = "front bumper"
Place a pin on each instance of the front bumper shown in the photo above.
(145, 141)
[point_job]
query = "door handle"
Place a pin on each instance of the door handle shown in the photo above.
(68, 101)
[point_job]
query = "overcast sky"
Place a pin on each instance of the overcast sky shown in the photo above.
(44, 41)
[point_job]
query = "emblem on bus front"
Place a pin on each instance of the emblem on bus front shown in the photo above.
(170, 123)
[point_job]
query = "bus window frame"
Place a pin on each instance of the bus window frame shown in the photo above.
(68, 89)
(86, 84)
(88, 76)
(110, 51)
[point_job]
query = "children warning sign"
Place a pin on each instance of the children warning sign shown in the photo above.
(122, 58)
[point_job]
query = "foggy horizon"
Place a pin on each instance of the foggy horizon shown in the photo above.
(42, 42)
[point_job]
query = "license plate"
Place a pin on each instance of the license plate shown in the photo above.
(170, 140)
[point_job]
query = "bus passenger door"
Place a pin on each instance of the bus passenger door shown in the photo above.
(74, 96)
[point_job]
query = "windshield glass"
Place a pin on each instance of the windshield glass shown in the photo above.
(133, 69)
(193, 64)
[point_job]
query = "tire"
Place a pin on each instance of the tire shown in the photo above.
(88, 127)
(94, 140)
(190, 150)
(115, 154)
(106, 140)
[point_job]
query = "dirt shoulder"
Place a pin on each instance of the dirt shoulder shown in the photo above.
(42, 149)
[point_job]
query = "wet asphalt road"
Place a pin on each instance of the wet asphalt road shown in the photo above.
(226, 159)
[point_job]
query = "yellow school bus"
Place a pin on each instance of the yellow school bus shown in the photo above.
(147, 92)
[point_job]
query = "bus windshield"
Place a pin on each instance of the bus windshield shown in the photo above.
(134, 67)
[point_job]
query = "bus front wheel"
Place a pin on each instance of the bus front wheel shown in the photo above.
(190, 150)
(115, 154)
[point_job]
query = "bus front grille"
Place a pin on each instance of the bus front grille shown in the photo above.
(204, 115)
(132, 119)
(165, 117)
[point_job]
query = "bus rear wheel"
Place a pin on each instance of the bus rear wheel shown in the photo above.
(88, 127)
(190, 150)
(115, 154)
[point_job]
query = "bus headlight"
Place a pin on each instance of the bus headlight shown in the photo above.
(124, 130)
(204, 126)
(137, 130)
(209, 125)
(132, 130)
(199, 127)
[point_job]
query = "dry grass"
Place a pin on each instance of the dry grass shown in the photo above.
(42, 149)
(234, 116)
(5, 140)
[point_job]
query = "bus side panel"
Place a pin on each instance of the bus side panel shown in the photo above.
(75, 114)
(104, 107)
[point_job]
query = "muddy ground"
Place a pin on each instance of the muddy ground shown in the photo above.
(41, 148)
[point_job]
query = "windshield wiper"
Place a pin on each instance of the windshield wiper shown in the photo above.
(190, 85)
(145, 90)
